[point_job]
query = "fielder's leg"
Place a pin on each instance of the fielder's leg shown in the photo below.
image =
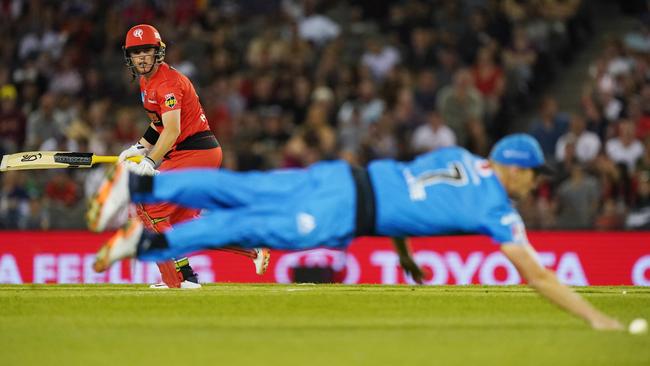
(248, 227)
(134, 238)
(214, 189)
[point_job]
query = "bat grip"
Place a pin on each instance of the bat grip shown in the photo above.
(98, 159)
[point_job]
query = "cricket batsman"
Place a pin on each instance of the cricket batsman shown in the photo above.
(178, 137)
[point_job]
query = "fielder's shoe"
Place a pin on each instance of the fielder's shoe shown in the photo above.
(112, 196)
(262, 260)
(123, 244)
(186, 285)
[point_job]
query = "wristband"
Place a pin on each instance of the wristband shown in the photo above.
(153, 163)
(151, 135)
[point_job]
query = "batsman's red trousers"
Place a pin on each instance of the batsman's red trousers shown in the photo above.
(159, 217)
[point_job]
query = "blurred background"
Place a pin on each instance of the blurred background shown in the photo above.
(285, 83)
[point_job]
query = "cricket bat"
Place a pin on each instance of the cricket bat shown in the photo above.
(54, 160)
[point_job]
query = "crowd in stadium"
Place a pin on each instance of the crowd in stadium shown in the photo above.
(286, 83)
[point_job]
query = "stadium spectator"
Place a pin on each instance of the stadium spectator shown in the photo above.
(432, 135)
(426, 90)
(625, 149)
(490, 81)
(421, 54)
(314, 27)
(47, 122)
(379, 58)
(611, 216)
(448, 64)
(14, 200)
(368, 105)
(577, 200)
(639, 216)
(66, 79)
(586, 143)
(596, 122)
(549, 126)
(460, 104)
(519, 59)
(62, 189)
(126, 130)
(12, 120)
(475, 37)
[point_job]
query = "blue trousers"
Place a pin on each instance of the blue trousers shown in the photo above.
(291, 209)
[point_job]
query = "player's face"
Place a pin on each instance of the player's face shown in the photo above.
(143, 60)
(523, 181)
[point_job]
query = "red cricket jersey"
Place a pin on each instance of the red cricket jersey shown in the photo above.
(168, 90)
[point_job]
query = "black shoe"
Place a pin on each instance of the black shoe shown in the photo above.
(189, 274)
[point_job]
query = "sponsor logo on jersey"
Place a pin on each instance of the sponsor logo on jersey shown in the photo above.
(170, 100)
(306, 223)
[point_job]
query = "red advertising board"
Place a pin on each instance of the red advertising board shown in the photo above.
(613, 258)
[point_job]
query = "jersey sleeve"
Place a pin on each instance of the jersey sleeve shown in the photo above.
(504, 225)
(169, 97)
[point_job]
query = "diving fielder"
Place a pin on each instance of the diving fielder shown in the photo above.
(330, 203)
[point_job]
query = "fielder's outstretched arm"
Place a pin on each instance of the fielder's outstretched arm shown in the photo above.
(406, 260)
(547, 284)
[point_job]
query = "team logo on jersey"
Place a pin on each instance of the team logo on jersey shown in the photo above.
(138, 33)
(517, 227)
(170, 100)
(483, 168)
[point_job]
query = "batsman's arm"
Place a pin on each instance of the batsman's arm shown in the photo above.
(150, 137)
(546, 283)
(172, 122)
(406, 260)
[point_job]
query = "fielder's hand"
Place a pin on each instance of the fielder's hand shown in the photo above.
(145, 167)
(406, 260)
(411, 268)
(134, 150)
(606, 323)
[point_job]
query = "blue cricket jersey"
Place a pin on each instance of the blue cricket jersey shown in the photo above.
(447, 191)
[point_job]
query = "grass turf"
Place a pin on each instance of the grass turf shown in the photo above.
(233, 324)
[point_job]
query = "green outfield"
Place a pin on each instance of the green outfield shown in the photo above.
(232, 324)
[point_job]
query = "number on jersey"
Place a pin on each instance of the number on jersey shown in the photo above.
(454, 175)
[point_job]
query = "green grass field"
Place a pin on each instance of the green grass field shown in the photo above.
(232, 324)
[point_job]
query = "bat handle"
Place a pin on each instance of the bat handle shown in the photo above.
(135, 159)
(98, 159)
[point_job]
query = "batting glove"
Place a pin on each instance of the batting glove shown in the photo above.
(134, 150)
(146, 167)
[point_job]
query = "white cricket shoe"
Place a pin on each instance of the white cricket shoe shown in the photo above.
(110, 199)
(186, 285)
(262, 260)
(123, 244)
